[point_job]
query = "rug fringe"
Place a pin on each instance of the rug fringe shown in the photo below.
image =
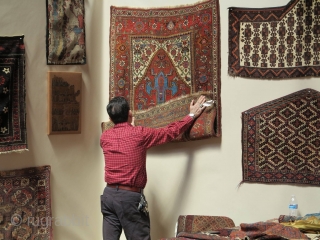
(15, 151)
(240, 183)
(165, 7)
(197, 94)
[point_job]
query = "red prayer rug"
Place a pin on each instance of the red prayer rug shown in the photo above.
(279, 42)
(25, 204)
(65, 32)
(281, 140)
(13, 132)
(158, 55)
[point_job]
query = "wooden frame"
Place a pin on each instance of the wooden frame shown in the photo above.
(64, 102)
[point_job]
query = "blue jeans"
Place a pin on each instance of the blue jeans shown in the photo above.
(120, 211)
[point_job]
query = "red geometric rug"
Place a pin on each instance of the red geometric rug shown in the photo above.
(157, 55)
(25, 204)
(13, 132)
(279, 42)
(281, 140)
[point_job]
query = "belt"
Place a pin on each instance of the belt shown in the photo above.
(125, 187)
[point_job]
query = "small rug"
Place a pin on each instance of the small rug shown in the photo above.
(199, 223)
(164, 114)
(13, 132)
(25, 204)
(279, 42)
(281, 140)
(160, 54)
(65, 32)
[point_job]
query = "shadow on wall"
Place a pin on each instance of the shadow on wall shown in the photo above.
(160, 226)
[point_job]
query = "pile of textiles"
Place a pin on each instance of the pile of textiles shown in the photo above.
(310, 223)
(246, 231)
(266, 230)
(284, 227)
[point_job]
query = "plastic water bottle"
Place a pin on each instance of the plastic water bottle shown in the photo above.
(293, 206)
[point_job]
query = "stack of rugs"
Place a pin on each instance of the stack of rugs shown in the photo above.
(284, 227)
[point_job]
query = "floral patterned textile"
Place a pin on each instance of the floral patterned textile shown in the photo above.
(65, 32)
(13, 132)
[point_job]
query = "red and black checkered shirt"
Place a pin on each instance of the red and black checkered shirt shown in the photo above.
(125, 150)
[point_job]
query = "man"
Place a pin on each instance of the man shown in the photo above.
(125, 149)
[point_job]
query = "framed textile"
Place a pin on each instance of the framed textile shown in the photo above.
(280, 42)
(159, 55)
(25, 209)
(281, 140)
(64, 102)
(13, 132)
(65, 32)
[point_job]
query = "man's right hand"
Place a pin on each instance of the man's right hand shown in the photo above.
(197, 108)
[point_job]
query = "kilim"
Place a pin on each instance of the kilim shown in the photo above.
(65, 32)
(25, 204)
(281, 140)
(160, 54)
(13, 132)
(279, 42)
(176, 109)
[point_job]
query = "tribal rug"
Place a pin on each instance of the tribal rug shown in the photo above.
(202, 227)
(281, 140)
(13, 132)
(176, 109)
(157, 55)
(198, 223)
(65, 32)
(25, 204)
(280, 42)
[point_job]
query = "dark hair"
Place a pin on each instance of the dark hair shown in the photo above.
(118, 110)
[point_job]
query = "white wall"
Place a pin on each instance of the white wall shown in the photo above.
(198, 177)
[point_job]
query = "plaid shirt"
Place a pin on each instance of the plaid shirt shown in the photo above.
(125, 150)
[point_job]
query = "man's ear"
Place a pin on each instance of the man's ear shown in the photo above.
(130, 115)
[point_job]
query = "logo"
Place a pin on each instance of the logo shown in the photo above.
(16, 220)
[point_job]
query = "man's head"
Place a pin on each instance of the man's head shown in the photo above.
(118, 110)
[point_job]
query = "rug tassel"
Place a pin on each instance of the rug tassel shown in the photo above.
(15, 151)
(239, 185)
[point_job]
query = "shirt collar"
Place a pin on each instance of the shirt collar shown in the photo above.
(124, 124)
